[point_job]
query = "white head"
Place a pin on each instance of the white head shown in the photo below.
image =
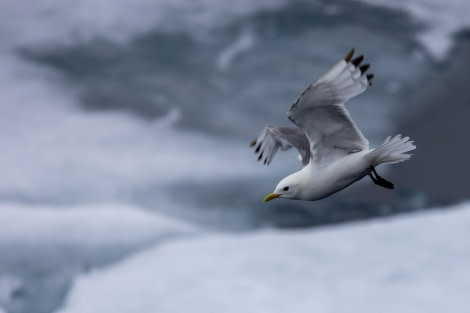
(290, 187)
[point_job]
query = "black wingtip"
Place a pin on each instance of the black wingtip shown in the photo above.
(257, 148)
(260, 156)
(357, 60)
(349, 56)
(364, 68)
(369, 78)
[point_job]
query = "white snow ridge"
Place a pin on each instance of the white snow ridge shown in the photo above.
(415, 263)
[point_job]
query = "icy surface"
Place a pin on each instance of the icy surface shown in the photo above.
(86, 225)
(116, 20)
(43, 247)
(441, 18)
(416, 263)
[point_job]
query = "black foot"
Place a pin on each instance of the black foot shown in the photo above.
(379, 180)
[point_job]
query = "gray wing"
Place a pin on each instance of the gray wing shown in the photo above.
(272, 139)
(320, 111)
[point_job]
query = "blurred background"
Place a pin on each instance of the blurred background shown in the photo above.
(127, 183)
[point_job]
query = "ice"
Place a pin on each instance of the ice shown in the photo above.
(9, 285)
(411, 263)
(243, 43)
(43, 247)
(441, 18)
(70, 22)
(96, 225)
(50, 150)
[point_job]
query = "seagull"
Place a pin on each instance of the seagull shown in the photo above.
(333, 151)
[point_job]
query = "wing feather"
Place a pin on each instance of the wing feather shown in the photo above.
(271, 139)
(320, 111)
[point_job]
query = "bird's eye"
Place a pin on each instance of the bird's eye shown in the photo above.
(285, 188)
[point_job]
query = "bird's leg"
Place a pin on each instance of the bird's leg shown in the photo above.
(378, 180)
(373, 178)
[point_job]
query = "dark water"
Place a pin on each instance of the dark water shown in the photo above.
(162, 119)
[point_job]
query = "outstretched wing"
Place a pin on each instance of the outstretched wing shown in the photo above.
(273, 138)
(320, 111)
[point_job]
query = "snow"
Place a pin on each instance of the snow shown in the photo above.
(43, 247)
(9, 285)
(88, 225)
(411, 263)
(116, 20)
(81, 157)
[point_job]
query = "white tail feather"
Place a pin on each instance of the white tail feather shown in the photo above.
(393, 150)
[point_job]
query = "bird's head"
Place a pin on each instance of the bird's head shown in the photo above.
(289, 188)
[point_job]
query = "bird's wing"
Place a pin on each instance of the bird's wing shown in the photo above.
(273, 138)
(320, 111)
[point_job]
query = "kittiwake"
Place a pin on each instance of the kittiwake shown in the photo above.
(333, 151)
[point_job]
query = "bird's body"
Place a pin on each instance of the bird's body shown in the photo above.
(333, 151)
(325, 180)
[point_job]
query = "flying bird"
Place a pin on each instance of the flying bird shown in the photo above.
(333, 151)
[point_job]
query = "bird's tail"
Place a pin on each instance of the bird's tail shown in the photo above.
(393, 150)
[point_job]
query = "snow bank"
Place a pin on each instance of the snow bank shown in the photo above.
(89, 225)
(413, 263)
(42, 248)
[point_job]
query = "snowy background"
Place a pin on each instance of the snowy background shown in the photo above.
(128, 185)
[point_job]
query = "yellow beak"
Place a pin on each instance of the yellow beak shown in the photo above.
(270, 197)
